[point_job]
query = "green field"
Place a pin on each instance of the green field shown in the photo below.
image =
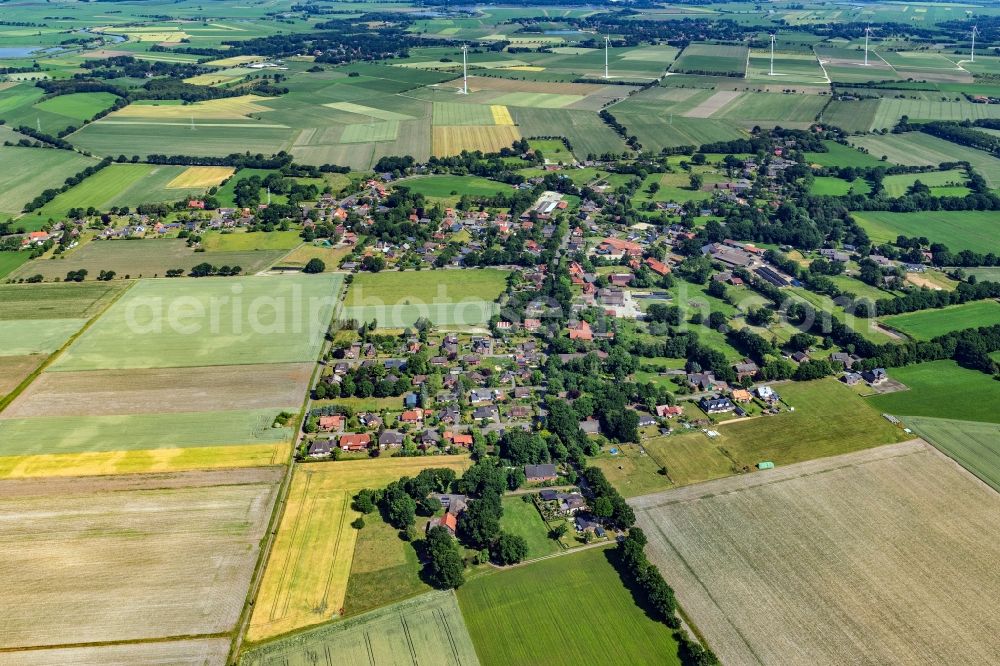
(38, 169)
(829, 419)
(942, 389)
(919, 149)
(451, 188)
(121, 185)
(134, 432)
(447, 297)
(11, 261)
(36, 336)
(566, 610)
(840, 155)
(959, 230)
(78, 106)
(711, 59)
(209, 321)
(890, 110)
(974, 445)
(241, 241)
(54, 301)
(838, 187)
(754, 108)
(928, 324)
(949, 183)
(523, 519)
(425, 630)
(587, 133)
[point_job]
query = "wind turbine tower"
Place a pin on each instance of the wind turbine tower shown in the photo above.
(607, 45)
(868, 30)
(772, 54)
(465, 69)
(972, 53)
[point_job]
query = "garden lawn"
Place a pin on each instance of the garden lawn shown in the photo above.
(522, 518)
(928, 324)
(942, 389)
(564, 610)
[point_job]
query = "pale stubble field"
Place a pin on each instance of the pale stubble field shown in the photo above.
(883, 556)
(88, 560)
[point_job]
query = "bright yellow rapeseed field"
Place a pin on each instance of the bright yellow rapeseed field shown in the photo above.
(501, 115)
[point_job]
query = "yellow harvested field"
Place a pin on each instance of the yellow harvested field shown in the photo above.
(201, 176)
(305, 581)
(526, 68)
(306, 578)
(105, 463)
(211, 79)
(221, 109)
(501, 115)
(452, 139)
(235, 61)
(168, 37)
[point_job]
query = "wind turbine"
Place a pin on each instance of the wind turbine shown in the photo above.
(607, 45)
(868, 30)
(972, 53)
(465, 70)
(772, 54)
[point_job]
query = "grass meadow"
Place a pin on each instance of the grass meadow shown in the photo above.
(829, 419)
(563, 610)
(950, 183)
(20, 337)
(919, 149)
(944, 390)
(447, 297)
(959, 230)
(53, 301)
(839, 155)
(927, 324)
(38, 169)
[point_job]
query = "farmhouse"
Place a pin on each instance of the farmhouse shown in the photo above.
(330, 423)
(449, 521)
(669, 411)
(876, 376)
(539, 473)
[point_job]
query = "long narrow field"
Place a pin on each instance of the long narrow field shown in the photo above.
(147, 258)
(170, 390)
(927, 324)
(56, 301)
(209, 321)
(129, 558)
(306, 578)
(881, 556)
(197, 652)
(425, 630)
(536, 614)
(974, 445)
